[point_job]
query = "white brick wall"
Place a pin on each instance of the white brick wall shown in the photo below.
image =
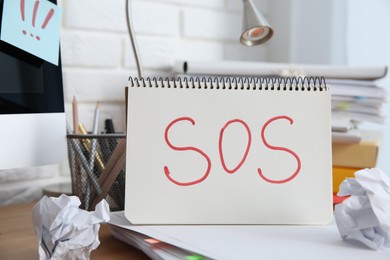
(211, 24)
(97, 60)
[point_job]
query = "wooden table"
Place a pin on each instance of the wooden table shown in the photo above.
(18, 240)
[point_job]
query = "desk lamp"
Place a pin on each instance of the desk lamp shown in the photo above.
(256, 30)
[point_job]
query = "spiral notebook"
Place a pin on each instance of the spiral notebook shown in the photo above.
(228, 151)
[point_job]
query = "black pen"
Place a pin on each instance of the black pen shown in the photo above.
(109, 126)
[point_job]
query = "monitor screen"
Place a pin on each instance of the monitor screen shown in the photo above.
(17, 71)
(32, 117)
(28, 84)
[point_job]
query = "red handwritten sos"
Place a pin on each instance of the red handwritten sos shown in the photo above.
(220, 149)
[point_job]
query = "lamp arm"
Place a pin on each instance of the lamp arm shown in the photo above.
(133, 42)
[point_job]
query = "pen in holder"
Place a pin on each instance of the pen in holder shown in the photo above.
(97, 166)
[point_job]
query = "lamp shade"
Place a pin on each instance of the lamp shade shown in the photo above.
(256, 29)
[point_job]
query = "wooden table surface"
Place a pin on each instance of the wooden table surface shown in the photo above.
(18, 240)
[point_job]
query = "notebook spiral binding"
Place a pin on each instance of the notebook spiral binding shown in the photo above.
(234, 83)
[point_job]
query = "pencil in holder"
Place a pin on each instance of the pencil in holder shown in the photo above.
(97, 167)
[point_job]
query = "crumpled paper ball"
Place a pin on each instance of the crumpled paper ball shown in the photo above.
(64, 231)
(365, 215)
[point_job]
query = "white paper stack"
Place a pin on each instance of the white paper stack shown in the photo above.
(355, 102)
(152, 247)
(228, 242)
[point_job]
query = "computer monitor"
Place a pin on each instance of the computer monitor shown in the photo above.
(32, 117)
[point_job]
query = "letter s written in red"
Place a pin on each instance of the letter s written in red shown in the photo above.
(185, 148)
(280, 149)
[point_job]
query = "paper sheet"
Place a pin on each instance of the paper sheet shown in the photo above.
(365, 215)
(64, 231)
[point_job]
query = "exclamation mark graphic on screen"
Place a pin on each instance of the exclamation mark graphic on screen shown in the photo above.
(22, 13)
(34, 17)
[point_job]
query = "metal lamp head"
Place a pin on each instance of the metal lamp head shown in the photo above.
(256, 29)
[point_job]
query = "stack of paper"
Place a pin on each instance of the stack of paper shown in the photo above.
(198, 242)
(359, 100)
(355, 102)
(152, 247)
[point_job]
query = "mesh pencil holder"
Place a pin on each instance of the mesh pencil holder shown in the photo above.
(97, 166)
